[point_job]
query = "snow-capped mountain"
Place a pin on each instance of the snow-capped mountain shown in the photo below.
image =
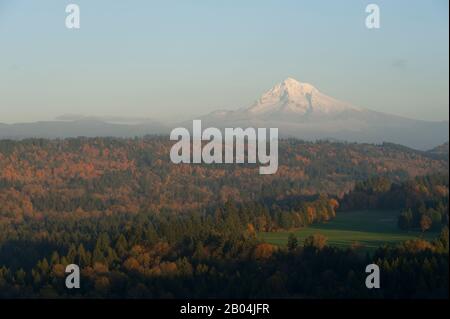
(293, 97)
(297, 109)
(300, 110)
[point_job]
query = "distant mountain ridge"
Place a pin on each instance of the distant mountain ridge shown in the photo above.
(88, 127)
(298, 109)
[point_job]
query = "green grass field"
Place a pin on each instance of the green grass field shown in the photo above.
(371, 229)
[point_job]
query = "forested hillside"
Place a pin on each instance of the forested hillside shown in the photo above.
(105, 176)
(142, 227)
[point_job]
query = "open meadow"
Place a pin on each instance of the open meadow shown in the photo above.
(369, 229)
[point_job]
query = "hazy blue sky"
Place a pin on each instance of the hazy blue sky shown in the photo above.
(176, 59)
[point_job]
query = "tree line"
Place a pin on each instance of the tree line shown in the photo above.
(423, 201)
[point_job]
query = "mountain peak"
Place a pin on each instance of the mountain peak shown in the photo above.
(292, 96)
(294, 88)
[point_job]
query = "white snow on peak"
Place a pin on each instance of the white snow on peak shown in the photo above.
(292, 96)
(294, 87)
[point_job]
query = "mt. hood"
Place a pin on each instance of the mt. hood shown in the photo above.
(291, 96)
(300, 110)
